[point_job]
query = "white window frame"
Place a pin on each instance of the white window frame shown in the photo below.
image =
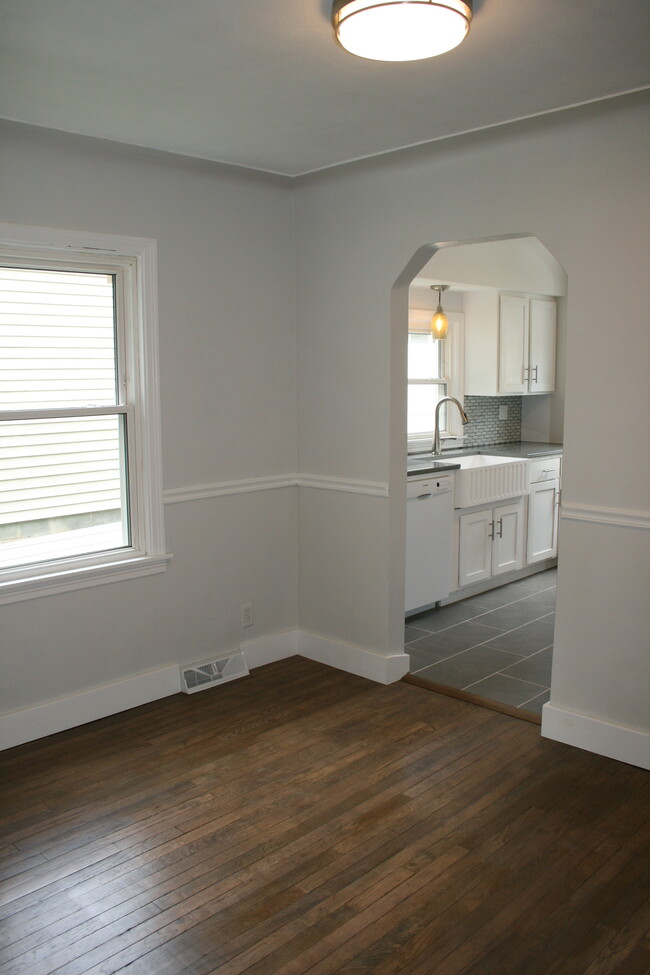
(134, 259)
(453, 368)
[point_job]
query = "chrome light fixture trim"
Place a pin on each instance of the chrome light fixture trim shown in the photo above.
(400, 30)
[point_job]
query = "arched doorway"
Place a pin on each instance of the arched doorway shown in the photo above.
(490, 637)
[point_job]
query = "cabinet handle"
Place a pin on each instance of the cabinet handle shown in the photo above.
(491, 531)
(535, 376)
(558, 495)
(421, 497)
(500, 527)
(525, 373)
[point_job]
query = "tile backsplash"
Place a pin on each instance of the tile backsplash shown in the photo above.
(484, 425)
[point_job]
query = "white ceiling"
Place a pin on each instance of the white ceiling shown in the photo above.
(262, 84)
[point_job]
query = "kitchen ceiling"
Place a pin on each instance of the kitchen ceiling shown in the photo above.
(262, 83)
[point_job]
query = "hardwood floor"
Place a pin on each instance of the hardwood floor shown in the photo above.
(305, 820)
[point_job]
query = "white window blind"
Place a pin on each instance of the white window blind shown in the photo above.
(63, 476)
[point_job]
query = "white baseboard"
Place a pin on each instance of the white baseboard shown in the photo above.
(595, 735)
(355, 660)
(18, 727)
(268, 649)
(45, 719)
(343, 656)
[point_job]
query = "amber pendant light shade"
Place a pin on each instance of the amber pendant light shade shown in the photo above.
(439, 322)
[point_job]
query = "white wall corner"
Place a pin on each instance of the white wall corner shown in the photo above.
(19, 727)
(382, 668)
(268, 649)
(630, 745)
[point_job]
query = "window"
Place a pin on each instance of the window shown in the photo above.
(80, 491)
(435, 370)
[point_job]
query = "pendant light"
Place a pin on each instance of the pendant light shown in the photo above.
(400, 30)
(439, 322)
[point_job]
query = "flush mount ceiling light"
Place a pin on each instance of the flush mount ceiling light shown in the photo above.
(400, 30)
(439, 322)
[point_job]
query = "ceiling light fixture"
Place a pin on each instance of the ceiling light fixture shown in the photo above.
(400, 30)
(439, 322)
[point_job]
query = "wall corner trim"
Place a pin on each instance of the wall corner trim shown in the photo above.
(379, 667)
(597, 515)
(630, 745)
(271, 482)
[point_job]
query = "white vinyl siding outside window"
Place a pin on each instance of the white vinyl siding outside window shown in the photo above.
(435, 370)
(80, 492)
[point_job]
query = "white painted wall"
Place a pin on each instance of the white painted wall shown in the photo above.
(578, 182)
(228, 386)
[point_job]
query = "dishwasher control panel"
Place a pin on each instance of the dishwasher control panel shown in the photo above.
(425, 487)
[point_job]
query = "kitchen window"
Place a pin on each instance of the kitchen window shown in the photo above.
(435, 370)
(80, 485)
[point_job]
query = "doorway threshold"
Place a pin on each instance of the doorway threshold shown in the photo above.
(482, 702)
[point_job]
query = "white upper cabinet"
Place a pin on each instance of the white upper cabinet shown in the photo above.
(513, 335)
(509, 344)
(541, 356)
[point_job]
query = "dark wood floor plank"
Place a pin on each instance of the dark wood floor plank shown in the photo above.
(304, 820)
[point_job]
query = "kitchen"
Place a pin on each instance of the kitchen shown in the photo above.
(483, 489)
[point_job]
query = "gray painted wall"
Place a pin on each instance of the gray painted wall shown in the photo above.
(228, 388)
(258, 381)
(577, 181)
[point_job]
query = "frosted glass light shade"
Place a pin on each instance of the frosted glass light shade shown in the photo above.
(400, 30)
(439, 324)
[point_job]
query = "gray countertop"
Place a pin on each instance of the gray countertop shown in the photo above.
(427, 464)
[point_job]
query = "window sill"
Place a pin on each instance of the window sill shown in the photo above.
(47, 584)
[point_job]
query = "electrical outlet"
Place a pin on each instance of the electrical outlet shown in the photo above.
(247, 615)
(503, 412)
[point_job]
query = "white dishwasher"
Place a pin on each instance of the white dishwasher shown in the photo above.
(429, 514)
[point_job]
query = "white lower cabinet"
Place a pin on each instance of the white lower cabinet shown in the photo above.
(543, 511)
(491, 541)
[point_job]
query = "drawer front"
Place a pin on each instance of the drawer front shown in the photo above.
(545, 469)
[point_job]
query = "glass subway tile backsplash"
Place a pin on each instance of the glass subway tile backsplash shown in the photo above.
(484, 425)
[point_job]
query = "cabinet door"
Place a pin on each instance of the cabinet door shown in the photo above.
(542, 521)
(513, 344)
(475, 547)
(508, 544)
(543, 312)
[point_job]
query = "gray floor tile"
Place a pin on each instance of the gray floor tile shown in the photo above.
(455, 638)
(492, 599)
(412, 633)
(467, 667)
(545, 601)
(515, 614)
(538, 582)
(535, 706)
(536, 668)
(419, 660)
(440, 619)
(506, 690)
(497, 644)
(526, 639)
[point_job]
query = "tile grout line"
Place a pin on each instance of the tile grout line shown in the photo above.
(531, 699)
(519, 680)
